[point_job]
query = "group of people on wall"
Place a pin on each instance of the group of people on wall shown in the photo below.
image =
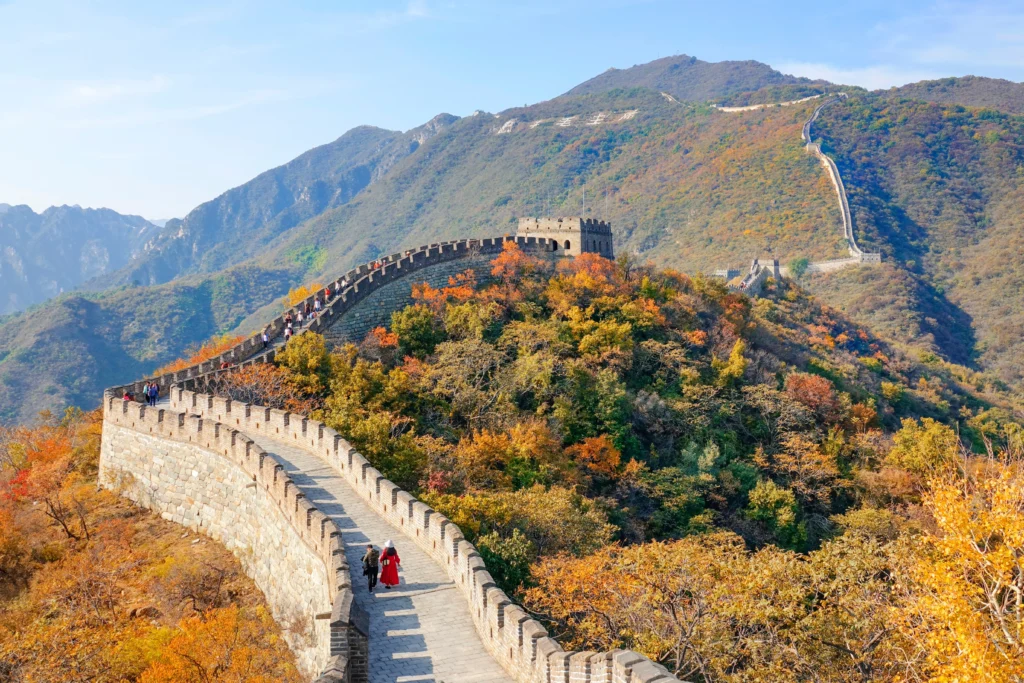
(150, 392)
(306, 312)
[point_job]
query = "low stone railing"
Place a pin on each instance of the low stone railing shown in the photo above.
(516, 640)
(215, 480)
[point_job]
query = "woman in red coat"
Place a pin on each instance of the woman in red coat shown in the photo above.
(389, 565)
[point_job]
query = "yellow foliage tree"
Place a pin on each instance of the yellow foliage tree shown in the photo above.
(222, 648)
(965, 585)
(297, 295)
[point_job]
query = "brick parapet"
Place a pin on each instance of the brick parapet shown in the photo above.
(519, 642)
(347, 645)
(362, 281)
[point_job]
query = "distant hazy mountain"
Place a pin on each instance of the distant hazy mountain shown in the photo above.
(690, 79)
(44, 254)
(161, 222)
(240, 223)
(970, 91)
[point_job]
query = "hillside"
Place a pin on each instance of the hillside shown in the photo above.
(969, 91)
(937, 189)
(63, 352)
(726, 485)
(44, 254)
(689, 79)
(683, 184)
(243, 221)
(94, 588)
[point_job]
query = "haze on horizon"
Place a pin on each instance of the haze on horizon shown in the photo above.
(153, 110)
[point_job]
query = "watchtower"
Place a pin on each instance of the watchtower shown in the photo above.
(572, 235)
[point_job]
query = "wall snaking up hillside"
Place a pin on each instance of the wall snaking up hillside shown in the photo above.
(214, 480)
(516, 640)
(190, 487)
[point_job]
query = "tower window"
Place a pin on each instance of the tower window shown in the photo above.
(567, 246)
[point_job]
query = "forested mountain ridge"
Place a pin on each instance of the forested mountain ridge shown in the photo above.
(244, 220)
(689, 79)
(56, 250)
(683, 184)
(970, 91)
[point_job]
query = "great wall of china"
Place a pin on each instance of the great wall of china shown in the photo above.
(296, 503)
(763, 268)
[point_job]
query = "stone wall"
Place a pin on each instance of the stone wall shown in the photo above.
(214, 480)
(206, 423)
(361, 283)
(516, 640)
(376, 309)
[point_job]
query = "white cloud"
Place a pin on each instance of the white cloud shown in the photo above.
(100, 91)
(952, 33)
(870, 77)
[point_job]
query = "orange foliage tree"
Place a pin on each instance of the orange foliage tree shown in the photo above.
(212, 348)
(460, 288)
(267, 385)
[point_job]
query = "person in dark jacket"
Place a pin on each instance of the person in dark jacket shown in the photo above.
(370, 565)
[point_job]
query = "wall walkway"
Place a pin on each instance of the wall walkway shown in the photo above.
(450, 622)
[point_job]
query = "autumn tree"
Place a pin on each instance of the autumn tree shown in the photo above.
(306, 359)
(200, 353)
(418, 330)
(223, 646)
(265, 384)
(965, 583)
(296, 295)
(817, 394)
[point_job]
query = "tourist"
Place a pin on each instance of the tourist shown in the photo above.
(298, 318)
(389, 562)
(154, 393)
(327, 294)
(370, 566)
(316, 305)
(288, 319)
(128, 396)
(288, 333)
(265, 338)
(145, 392)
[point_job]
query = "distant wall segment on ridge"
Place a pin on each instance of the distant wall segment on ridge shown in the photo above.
(516, 640)
(210, 478)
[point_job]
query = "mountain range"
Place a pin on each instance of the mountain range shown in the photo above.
(931, 169)
(44, 254)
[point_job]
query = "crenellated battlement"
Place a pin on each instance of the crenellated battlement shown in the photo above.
(206, 455)
(520, 643)
(574, 235)
(216, 481)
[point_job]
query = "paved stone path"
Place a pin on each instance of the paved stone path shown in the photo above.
(420, 630)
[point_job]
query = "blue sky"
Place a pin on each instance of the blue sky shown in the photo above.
(152, 108)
